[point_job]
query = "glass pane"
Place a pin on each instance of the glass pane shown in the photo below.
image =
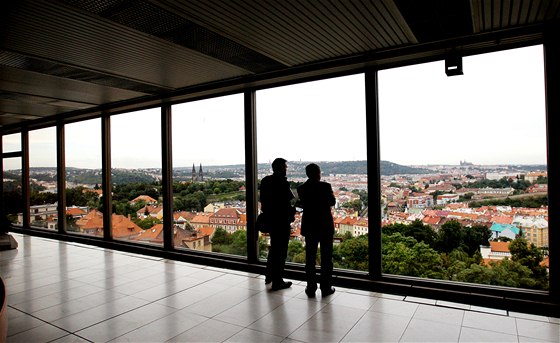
(11, 186)
(209, 207)
(464, 170)
(302, 124)
(43, 179)
(83, 178)
(136, 176)
(11, 143)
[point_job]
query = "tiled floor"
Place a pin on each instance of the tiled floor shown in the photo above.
(67, 292)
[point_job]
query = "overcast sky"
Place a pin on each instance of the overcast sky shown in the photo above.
(493, 114)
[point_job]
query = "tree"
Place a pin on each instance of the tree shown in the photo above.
(421, 232)
(124, 208)
(263, 247)
(503, 273)
(394, 228)
(356, 205)
(353, 253)
(239, 243)
(450, 236)
(474, 237)
(147, 223)
(295, 247)
(221, 237)
(417, 230)
(405, 256)
(230, 243)
(530, 256)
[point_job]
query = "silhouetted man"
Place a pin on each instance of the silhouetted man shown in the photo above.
(276, 197)
(316, 198)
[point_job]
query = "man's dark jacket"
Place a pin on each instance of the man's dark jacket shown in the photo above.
(316, 198)
(275, 198)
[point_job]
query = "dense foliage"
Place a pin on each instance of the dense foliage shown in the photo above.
(452, 253)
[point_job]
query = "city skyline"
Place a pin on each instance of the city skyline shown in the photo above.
(325, 121)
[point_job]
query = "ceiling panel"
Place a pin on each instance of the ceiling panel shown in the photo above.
(298, 32)
(491, 15)
(72, 37)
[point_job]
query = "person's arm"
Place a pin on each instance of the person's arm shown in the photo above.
(332, 199)
(299, 202)
(264, 194)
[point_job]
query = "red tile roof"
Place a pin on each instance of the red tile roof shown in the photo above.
(75, 211)
(145, 198)
(499, 246)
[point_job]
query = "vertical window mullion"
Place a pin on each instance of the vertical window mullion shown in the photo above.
(167, 177)
(106, 174)
(374, 174)
(251, 173)
(61, 176)
(552, 103)
(25, 187)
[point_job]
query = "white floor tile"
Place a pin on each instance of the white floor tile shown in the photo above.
(330, 324)
(477, 335)
(490, 322)
(547, 332)
(378, 327)
(67, 292)
(428, 331)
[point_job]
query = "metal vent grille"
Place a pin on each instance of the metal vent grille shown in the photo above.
(27, 63)
(148, 18)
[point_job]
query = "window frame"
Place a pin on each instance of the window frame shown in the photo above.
(375, 279)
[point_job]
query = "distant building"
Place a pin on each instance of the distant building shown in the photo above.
(38, 214)
(201, 239)
(145, 198)
(420, 201)
(150, 211)
(347, 225)
(504, 230)
(534, 176)
(360, 227)
(197, 176)
(214, 207)
(496, 251)
(538, 188)
(444, 199)
(122, 227)
(200, 220)
(535, 229)
(226, 218)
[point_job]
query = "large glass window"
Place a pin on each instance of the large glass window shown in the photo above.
(11, 183)
(321, 122)
(43, 179)
(464, 170)
(11, 143)
(83, 178)
(209, 210)
(136, 176)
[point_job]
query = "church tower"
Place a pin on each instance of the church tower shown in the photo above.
(200, 174)
(197, 176)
